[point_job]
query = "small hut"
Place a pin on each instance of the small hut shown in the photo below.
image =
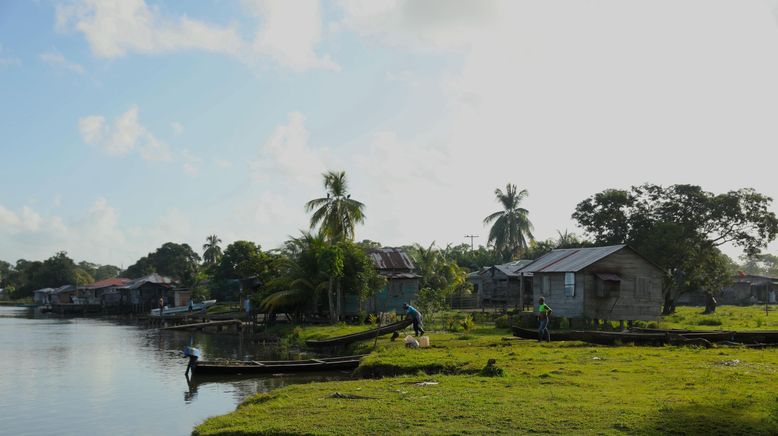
(402, 283)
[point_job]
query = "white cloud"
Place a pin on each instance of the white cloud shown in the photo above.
(126, 135)
(287, 32)
(177, 127)
(92, 128)
(288, 153)
(114, 27)
(57, 59)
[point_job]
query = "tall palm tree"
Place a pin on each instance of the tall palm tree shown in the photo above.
(337, 213)
(212, 253)
(512, 228)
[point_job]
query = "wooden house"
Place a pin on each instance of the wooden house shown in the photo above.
(598, 283)
(402, 283)
(104, 292)
(501, 285)
(144, 293)
(749, 289)
(42, 296)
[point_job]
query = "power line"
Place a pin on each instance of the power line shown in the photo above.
(471, 240)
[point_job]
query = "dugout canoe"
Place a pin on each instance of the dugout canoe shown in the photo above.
(222, 367)
(595, 337)
(361, 336)
(757, 337)
(709, 335)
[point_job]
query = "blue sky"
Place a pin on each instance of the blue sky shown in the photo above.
(131, 123)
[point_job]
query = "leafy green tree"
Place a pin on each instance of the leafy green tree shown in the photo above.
(177, 261)
(212, 253)
(336, 214)
(438, 273)
(511, 228)
(142, 267)
(5, 274)
(99, 272)
(763, 264)
(472, 260)
(680, 228)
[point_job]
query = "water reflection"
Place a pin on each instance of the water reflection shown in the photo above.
(82, 375)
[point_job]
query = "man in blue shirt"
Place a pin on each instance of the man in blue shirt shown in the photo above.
(415, 316)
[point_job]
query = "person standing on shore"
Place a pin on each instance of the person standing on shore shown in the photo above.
(161, 306)
(544, 315)
(415, 316)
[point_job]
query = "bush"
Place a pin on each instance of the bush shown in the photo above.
(492, 370)
(503, 322)
(467, 323)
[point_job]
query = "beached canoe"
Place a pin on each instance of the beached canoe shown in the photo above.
(596, 337)
(757, 337)
(361, 336)
(277, 366)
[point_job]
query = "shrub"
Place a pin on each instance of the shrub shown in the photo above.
(492, 370)
(372, 319)
(503, 322)
(467, 323)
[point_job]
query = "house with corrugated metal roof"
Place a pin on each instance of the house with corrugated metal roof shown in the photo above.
(501, 285)
(598, 283)
(104, 292)
(144, 293)
(402, 283)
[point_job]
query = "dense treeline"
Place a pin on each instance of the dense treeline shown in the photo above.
(679, 227)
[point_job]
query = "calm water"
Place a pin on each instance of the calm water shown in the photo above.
(68, 376)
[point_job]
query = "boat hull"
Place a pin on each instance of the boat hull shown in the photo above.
(361, 336)
(277, 367)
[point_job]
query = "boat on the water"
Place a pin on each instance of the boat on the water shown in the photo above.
(276, 366)
(361, 336)
(177, 310)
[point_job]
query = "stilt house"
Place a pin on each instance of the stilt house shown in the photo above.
(603, 283)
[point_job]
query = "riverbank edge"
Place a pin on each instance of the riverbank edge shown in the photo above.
(458, 361)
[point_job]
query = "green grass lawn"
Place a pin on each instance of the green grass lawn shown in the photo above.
(725, 318)
(553, 388)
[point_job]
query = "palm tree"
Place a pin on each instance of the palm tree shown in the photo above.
(511, 228)
(337, 213)
(212, 252)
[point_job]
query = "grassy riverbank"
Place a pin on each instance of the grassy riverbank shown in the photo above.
(556, 388)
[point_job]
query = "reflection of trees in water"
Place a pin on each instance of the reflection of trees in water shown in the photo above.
(166, 345)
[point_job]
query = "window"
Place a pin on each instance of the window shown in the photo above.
(607, 284)
(546, 285)
(569, 284)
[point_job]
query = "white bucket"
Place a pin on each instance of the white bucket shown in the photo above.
(424, 341)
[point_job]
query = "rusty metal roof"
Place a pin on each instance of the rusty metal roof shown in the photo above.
(105, 283)
(570, 259)
(393, 259)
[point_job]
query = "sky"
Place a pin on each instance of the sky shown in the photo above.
(125, 124)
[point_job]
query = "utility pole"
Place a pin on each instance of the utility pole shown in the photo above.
(471, 240)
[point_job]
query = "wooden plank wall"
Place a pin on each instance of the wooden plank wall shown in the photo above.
(627, 303)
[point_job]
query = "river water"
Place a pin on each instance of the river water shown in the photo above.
(87, 376)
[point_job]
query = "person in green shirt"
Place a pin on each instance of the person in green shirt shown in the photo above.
(544, 314)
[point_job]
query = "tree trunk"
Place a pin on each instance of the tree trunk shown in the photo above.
(338, 306)
(710, 303)
(330, 301)
(669, 306)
